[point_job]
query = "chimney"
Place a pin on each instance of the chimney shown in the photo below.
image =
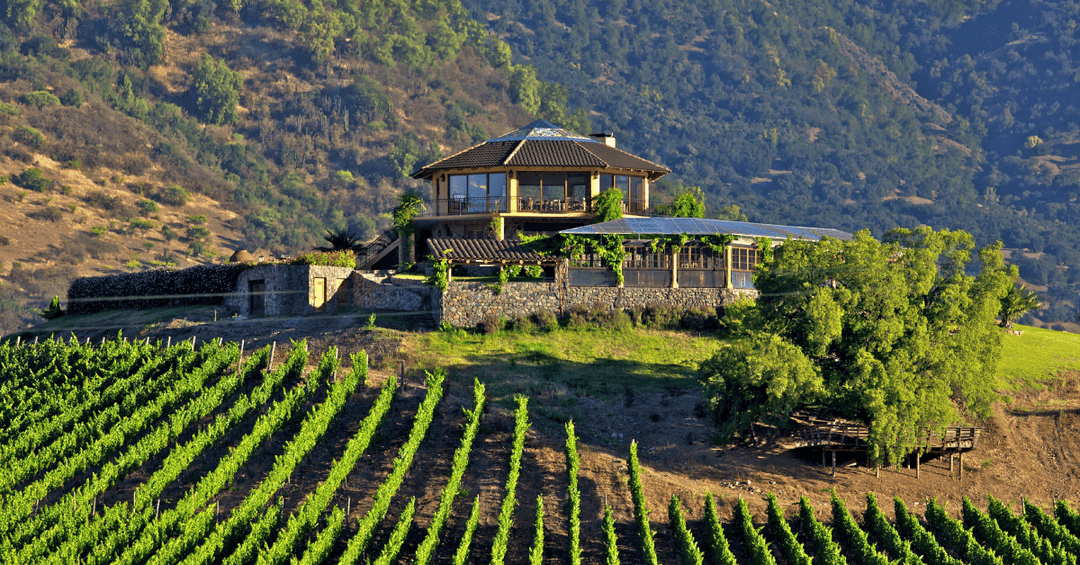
(606, 137)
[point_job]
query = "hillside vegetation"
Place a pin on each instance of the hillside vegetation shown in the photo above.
(853, 114)
(294, 118)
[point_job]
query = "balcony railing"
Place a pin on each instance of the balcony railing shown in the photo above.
(528, 205)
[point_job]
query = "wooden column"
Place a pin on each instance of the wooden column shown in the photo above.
(727, 266)
(674, 268)
(916, 465)
(834, 463)
(961, 465)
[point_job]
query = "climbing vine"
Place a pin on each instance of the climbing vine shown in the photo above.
(440, 271)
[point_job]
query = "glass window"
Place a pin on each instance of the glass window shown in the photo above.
(637, 189)
(478, 193)
(606, 182)
(577, 190)
(743, 259)
(622, 182)
(458, 187)
(497, 191)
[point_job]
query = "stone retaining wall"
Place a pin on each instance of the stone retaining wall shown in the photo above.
(466, 304)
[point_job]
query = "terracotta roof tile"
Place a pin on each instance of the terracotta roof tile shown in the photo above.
(486, 250)
(534, 153)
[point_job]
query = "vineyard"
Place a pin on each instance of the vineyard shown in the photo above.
(138, 452)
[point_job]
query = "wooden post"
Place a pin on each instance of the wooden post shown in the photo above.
(18, 340)
(822, 457)
(916, 464)
(240, 361)
(834, 463)
(273, 348)
(168, 342)
(402, 376)
(951, 457)
(961, 465)
(877, 471)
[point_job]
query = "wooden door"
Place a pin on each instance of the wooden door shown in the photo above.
(320, 293)
(256, 298)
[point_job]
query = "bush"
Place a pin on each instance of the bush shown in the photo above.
(4, 240)
(49, 214)
(141, 225)
(42, 98)
(173, 195)
(32, 179)
(198, 233)
(491, 324)
(112, 204)
(7, 109)
(344, 258)
(547, 321)
(98, 231)
(168, 233)
(577, 317)
(662, 316)
(197, 220)
(699, 320)
(523, 324)
(28, 136)
(74, 97)
(147, 206)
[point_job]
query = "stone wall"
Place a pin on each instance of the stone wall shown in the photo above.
(289, 290)
(466, 304)
(371, 291)
(204, 284)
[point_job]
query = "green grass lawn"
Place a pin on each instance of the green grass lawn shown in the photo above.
(592, 362)
(1037, 358)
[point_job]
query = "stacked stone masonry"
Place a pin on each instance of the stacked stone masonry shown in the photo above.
(466, 304)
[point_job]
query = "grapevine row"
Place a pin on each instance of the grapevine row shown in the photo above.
(573, 521)
(684, 540)
(305, 518)
(397, 536)
(790, 547)
(755, 543)
(462, 553)
(207, 547)
(611, 541)
(536, 553)
(718, 544)
(922, 541)
(1018, 528)
(506, 512)
(381, 502)
(426, 552)
(641, 507)
(987, 529)
(1051, 529)
(961, 540)
(821, 538)
(860, 547)
(880, 527)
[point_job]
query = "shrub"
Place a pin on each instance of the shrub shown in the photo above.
(699, 320)
(74, 97)
(577, 317)
(491, 324)
(33, 179)
(197, 233)
(534, 271)
(98, 231)
(197, 220)
(344, 258)
(141, 225)
(73, 164)
(49, 214)
(174, 195)
(7, 109)
(198, 248)
(147, 206)
(28, 136)
(4, 240)
(522, 324)
(4, 179)
(662, 316)
(168, 233)
(547, 321)
(42, 98)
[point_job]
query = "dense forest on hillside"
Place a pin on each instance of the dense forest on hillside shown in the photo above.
(845, 114)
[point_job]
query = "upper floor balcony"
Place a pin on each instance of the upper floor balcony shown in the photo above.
(530, 205)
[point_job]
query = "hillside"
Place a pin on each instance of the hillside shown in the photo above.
(1027, 449)
(850, 115)
(286, 120)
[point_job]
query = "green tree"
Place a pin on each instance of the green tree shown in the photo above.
(138, 27)
(608, 205)
(901, 335)
(405, 154)
(216, 91)
(1017, 302)
(525, 87)
(690, 203)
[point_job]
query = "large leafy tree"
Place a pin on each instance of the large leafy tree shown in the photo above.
(899, 333)
(217, 91)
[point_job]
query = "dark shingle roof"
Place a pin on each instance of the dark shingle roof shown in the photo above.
(700, 226)
(484, 250)
(541, 144)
